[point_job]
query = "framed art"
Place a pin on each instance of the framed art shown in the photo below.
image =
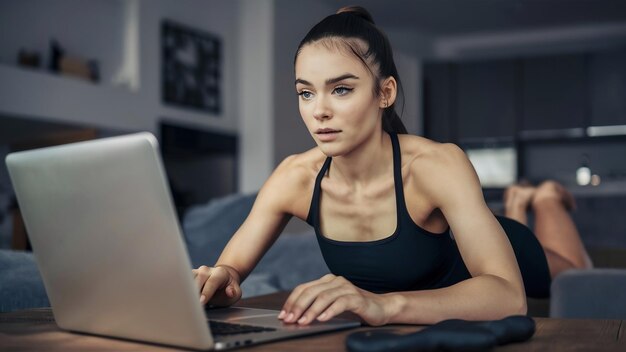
(191, 68)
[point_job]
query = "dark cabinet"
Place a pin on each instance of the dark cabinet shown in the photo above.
(438, 88)
(559, 112)
(486, 100)
(538, 98)
(554, 93)
(608, 88)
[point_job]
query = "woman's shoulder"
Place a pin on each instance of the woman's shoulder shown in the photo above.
(303, 163)
(432, 163)
(299, 169)
(440, 172)
(290, 186)
(419, 150)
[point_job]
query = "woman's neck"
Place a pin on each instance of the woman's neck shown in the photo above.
(367, 162)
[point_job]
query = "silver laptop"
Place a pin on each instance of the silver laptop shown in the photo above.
(110, 250)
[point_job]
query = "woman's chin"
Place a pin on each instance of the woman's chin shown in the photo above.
(331, 149)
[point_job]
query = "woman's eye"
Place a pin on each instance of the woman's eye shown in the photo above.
(306, 95)
(342, 90)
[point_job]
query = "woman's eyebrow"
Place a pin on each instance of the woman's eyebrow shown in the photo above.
(341, 78)
(330, 80)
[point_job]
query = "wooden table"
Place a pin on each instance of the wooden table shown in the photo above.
(34, 330)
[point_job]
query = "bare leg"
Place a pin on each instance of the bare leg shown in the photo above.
(555, 229)
(517, 200)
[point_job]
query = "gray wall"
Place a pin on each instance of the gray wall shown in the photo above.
(256, 129)
(296, 18)
(30, 24)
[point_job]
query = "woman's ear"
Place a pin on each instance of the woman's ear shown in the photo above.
(388, 92)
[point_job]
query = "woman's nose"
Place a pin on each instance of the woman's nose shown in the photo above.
(321, 110)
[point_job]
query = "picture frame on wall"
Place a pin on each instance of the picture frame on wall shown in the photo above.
(191, 68)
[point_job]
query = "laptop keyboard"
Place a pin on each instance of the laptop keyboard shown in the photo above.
(223, 328)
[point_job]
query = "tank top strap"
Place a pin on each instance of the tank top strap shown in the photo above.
(315, 200)
(397, 174)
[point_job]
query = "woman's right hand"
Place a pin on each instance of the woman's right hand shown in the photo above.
(219, 285)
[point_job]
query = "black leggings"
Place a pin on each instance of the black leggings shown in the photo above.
(531, 258)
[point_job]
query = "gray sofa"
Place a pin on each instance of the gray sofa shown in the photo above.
(293, 259)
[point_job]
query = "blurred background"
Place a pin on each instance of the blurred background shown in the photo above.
(531, 89)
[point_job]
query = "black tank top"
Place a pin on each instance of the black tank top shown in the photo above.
(411, 258)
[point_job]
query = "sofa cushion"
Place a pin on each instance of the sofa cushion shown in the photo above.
(208, 227)
(20, 283)
(589, 294)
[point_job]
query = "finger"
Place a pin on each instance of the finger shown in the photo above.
(297, 292)
(218, 279)
(306, 298)
(339, 306)
(323, 300)
(293, 296)
(201, 275)
(233, 290)
(286, 313)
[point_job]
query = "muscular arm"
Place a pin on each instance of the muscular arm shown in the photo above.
(269, 215)
(277, 200)
(496, 288)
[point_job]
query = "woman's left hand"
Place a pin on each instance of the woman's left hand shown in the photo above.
(329, 296)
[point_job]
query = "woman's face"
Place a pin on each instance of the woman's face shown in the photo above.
(336, 99)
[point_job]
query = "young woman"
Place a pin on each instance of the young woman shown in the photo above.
(384, 204)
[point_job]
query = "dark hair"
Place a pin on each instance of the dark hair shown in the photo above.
(355, 22)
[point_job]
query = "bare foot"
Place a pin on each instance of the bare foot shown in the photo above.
(552, 190)
(517, 199)
(518, 195)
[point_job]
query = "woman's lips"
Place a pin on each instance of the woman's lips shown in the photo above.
(327, 134)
